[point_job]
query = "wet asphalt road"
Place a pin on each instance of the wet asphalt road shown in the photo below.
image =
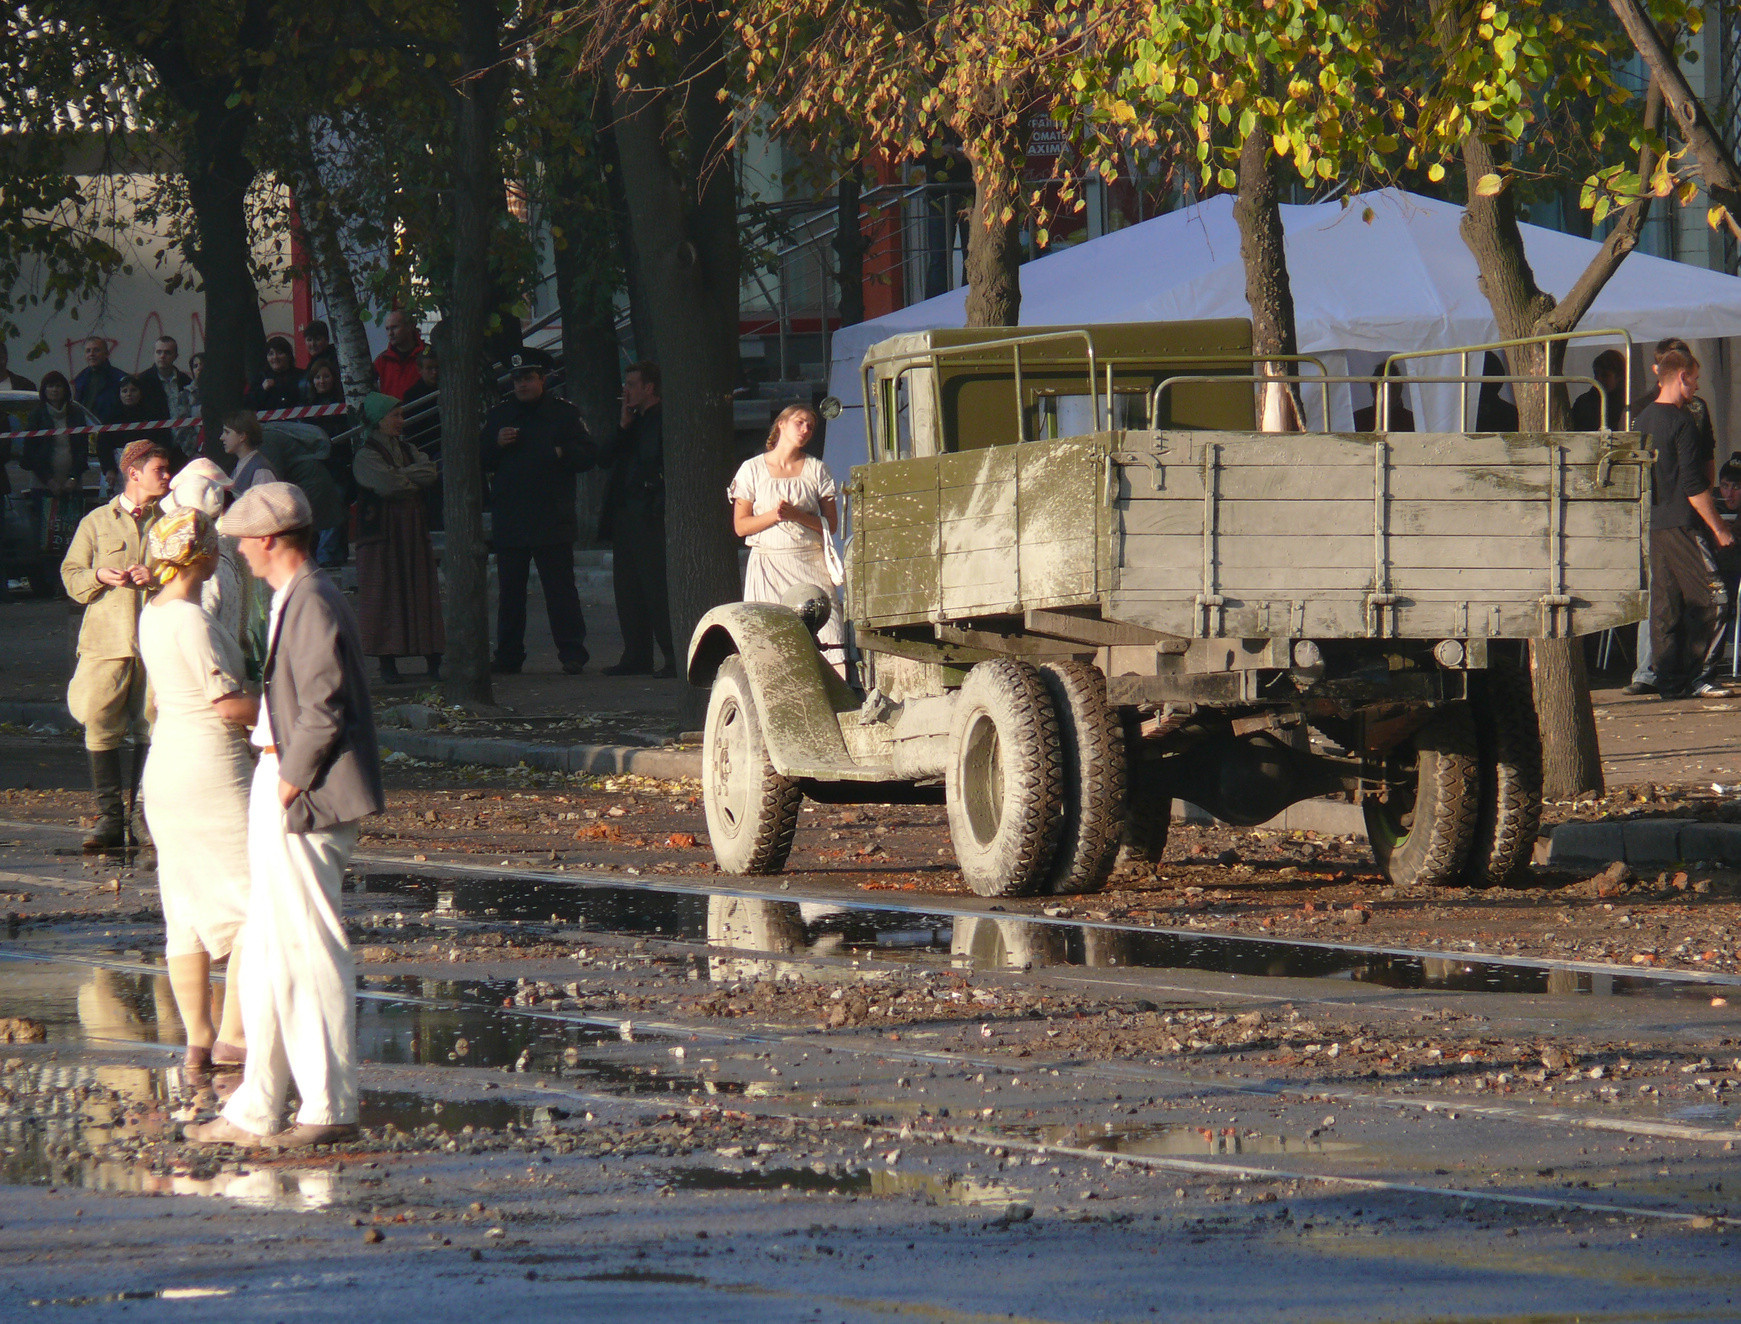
(644, 1100)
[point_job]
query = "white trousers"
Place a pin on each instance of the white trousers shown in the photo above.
(297, 978)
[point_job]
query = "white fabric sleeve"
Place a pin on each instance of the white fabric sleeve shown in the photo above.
(218, 666)
(825, 485)
(743, 483)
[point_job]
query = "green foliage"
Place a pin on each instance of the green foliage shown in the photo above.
(1309, 76)
(53, 249)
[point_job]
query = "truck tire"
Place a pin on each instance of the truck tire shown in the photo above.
(1148, 812)
(1004, 783)
(752, 811)
(1424, 837)
(1509, 813)
(1092, 742)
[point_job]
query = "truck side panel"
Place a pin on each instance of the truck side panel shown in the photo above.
(1254, 535)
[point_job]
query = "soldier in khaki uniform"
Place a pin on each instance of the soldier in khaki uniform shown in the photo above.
(105, 570)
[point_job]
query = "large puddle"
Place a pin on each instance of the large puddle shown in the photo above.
(757, 928)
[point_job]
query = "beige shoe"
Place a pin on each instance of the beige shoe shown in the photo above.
(306, 1134)
(222, 1131)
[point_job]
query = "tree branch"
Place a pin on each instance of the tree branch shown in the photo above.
(1624, 237)
(1716, 168)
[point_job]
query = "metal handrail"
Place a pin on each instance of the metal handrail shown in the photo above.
(1382, 406)
(1551, 337)
(932, 358)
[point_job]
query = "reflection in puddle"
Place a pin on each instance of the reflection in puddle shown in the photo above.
(1186, 1141)
(161, 1294)
(403, 1021)
(948, 1188)
(759, 929)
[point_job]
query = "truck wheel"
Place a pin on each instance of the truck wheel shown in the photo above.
(1092, 742)
(1422, 833)
(752, 811)
(1148, 813)
(1004, 784)
(1509, 812)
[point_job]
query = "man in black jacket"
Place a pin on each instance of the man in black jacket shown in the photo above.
(532, 447)
(1685, 587)
(634, 521)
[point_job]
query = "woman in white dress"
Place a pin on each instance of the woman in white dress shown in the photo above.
(783, 505)
(196, 782)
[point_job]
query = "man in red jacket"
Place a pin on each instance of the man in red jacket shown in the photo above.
(396, 366)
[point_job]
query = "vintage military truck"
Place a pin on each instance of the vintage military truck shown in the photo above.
(1081, 586)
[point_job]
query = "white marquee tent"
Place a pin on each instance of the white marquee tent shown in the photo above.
(1386, 273)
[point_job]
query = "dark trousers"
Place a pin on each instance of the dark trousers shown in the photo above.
(555, 562)
(1686, 600)
(638, 577)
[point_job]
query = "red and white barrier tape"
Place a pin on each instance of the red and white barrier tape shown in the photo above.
(157, 424)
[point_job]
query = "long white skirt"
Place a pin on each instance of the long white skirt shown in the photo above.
(769, 574)
(195, 792)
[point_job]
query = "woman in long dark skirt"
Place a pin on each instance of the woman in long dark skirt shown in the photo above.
(398, 592)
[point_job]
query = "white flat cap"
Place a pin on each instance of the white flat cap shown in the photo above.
(265, 509)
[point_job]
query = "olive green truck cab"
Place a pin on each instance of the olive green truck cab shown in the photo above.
(1082, 586)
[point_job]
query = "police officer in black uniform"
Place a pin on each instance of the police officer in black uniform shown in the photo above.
(532, 446)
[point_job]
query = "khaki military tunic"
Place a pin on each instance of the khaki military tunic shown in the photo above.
(108, 692)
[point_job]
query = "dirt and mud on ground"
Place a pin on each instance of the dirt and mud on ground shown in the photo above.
(603, 1080)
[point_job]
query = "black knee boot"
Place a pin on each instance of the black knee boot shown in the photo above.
(433, 660)
(110, 832)
(135, 807)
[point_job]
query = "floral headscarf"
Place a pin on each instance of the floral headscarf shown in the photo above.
(177, 541)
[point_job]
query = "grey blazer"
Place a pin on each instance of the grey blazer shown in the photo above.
(317, 703)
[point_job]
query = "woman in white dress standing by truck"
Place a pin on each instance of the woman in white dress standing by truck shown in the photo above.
(784, 507)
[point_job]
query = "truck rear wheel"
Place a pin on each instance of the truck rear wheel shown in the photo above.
(1004, 783)
(1092, 742)
(1423, 831)
(752, 811)
(1509, 813)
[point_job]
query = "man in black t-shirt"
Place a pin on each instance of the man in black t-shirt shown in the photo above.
(1686, 592)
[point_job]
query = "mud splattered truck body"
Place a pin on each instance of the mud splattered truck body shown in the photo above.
(1081, 585)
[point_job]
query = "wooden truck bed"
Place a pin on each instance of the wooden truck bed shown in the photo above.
(1250, 535)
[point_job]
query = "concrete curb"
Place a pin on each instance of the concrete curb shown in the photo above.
(604, 760)
(1655, 841)
(24, 712)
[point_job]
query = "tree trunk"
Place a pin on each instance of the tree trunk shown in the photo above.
(235, 347)
(476, 198)
(1268, 289)
(640, 323)
(1571, 757)
(219, 173)
(849, 247)
(310, 181)
(682, 202)
(586, 283)
(1570, 753)
(994, 248)
(338, 290)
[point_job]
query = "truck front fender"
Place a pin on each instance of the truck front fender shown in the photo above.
(797, 693)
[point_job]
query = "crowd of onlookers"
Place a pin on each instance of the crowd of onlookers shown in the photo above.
(371, 473)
